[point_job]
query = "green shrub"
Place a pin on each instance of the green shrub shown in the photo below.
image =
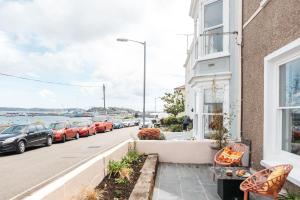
(114, 167)
(176, 128)
(132, 157)
(180, 120)
(121, 181)
(170, 120)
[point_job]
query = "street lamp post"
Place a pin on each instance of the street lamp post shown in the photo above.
(144, 85)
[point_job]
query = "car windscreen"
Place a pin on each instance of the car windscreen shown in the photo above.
(2, 128)
(15, 129)
(57, 126)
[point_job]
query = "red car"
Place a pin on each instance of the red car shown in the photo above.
(84, 129)
(63, 131)
(102, 124)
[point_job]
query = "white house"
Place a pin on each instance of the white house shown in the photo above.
(213, 65)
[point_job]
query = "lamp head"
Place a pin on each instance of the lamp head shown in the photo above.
(122, 40)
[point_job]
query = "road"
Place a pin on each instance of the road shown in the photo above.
(38, 166)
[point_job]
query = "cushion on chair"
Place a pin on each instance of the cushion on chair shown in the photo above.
(278, 171)
(230, 156)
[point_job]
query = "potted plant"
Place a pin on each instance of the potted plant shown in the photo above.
(219, 132)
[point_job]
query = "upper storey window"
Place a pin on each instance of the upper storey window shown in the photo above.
(213, 27)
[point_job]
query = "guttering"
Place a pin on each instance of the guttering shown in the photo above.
(262, 4)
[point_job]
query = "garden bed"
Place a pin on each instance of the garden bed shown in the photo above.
(113, 187)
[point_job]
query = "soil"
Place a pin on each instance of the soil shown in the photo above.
(110, 190)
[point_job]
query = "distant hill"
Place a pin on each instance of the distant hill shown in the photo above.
(40, 109)
(110, 110)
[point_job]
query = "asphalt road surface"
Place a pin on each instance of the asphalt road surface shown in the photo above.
(20, 173)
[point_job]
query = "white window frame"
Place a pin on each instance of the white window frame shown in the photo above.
(272, 145)
(199, 102)
(225, 26)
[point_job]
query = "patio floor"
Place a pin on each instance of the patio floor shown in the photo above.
(186, 182)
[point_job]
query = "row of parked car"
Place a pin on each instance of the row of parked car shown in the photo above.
(18, 137)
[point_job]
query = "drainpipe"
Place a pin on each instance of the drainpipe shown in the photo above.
(262, 4)
(240, 72)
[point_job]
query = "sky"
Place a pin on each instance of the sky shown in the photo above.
(74, 41)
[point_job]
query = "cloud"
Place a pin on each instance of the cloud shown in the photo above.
(74, 41)
(48, 94)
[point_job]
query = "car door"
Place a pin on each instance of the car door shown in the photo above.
(69, 131)
(43, 133)
(32, 135)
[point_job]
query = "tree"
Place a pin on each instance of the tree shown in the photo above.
(174, 102)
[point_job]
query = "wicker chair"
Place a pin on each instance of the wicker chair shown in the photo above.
(258, 183)
(240, 147)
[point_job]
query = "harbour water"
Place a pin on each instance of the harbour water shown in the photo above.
(43, 119)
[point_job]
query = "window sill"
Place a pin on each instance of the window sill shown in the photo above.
(294, 176)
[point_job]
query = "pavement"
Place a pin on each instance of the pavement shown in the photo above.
(21, 173)
(179, 135)
(184, 182)
(187, 182)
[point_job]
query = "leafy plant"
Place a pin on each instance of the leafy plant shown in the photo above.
(114, 167)
(117, 193)
(170, 120)
(132, 157)
(219, 133)
(176, 128)
(174, 103)
(121, 181)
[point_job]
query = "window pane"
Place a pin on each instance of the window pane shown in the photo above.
(213, 14)
(289, 84)
(213, 40)
(213, 95)
(211, 122)
(291, 131)
(213, 109)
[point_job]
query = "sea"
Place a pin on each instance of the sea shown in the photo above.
(47, 120)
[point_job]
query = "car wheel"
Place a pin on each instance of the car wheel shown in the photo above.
(64, 139)
(21, 147)
(49, 141)
(77, 136)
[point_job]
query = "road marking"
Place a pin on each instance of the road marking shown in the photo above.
(34, 188)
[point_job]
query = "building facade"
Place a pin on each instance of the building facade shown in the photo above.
(213, 66)
(271, 83)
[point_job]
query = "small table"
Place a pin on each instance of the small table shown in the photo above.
(229, 186)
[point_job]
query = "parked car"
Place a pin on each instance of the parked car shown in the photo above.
(118, 124)
(19, 137)
(84, 129)
(3, 127)
(126, 123)
(64, 131)
(148, 124)
(101, 124)
(137, 122)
